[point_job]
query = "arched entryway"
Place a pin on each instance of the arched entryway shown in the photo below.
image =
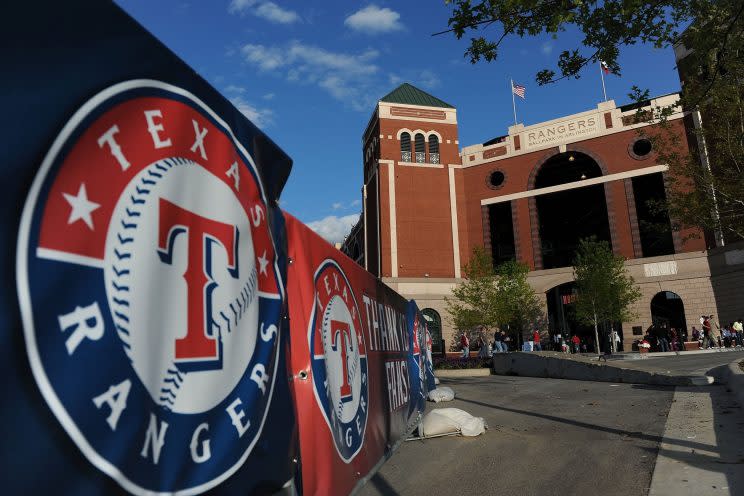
(566, 216)
(434, 323)
(667, 308)
(562, 318)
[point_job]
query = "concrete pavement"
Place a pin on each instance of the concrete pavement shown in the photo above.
(702, 452)
(545, 437)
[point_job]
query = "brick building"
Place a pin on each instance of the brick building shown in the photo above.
(530, 194)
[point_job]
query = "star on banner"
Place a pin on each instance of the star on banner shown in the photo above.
(264, 262)
(81, 207)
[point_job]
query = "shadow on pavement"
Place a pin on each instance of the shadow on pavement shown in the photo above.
(382, 485)
(585, 425)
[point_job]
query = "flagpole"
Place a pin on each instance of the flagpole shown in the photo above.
(601, 74)
(514, 103)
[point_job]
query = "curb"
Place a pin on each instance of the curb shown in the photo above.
(531, 365)
(462, 372)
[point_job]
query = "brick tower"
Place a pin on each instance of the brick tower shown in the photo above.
(410, 149)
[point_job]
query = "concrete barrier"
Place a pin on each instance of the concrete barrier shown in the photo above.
(462, 372)
(561, 367)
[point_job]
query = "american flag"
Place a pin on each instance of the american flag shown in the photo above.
(518, 90)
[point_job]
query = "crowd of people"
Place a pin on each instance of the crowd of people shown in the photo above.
(659, 337)
(503, 342)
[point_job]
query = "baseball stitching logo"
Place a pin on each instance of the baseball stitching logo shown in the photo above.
(150, 291)
(339, 359)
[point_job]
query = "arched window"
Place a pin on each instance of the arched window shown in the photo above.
(434, 324)
(433, 149)
(420, 149)
(405, 147)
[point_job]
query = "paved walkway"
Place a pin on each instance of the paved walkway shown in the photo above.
(702, 452)
(546, 437)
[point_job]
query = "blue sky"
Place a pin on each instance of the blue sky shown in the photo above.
(310, 73)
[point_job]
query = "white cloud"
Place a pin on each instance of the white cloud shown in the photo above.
(272, 12)
(346, 77)
(428, 79)
(372, 20)
(546, 48)
(235, 89)
(332, 228)
(266, 10)
(261, 117)
(269, 96)
(345, 206)
(266, 58)
(240, 6)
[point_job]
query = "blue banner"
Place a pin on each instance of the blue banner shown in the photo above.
(144, 338)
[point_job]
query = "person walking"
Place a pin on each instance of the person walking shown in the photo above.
(663, 337)
(576, 343)
(465, 345)
(536, 338)
(707, 338)
(739, 330)
(482, 348)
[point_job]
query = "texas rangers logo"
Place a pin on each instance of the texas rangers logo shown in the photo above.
(150, 291)
(339, 359)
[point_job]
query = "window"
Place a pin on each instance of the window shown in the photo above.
(405, 147)
(640, 148)
(433, 149)
(496, 179)
(420, 149)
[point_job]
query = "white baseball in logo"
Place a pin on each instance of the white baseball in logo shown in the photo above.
(343, 364)
(149, 297)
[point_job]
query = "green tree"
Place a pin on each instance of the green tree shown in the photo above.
(606, 291)
(518, 305)
(473, 302)
(488, 298)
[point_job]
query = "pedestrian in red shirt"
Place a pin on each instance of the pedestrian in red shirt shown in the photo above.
(536, 340)
(576, 343)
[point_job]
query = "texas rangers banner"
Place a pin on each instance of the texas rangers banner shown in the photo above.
(147, 349)
(421, 369)
(351, 360)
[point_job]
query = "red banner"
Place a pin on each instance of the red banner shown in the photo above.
(350, 360)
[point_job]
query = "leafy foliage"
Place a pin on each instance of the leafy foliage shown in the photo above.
(606, 291)
(474, 301)
(706, 182)
(487, 299)
(606, 26)
(517, 302)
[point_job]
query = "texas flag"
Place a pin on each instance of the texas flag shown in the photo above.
(605, 67)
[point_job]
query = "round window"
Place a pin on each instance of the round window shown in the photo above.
(642, 147)
(496, 179)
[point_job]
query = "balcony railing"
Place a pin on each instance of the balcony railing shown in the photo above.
(405, 156)
(420, 157)
(433, 158)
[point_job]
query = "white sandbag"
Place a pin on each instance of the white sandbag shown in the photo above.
(443, 393)
(436, 380)
(444, 421)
